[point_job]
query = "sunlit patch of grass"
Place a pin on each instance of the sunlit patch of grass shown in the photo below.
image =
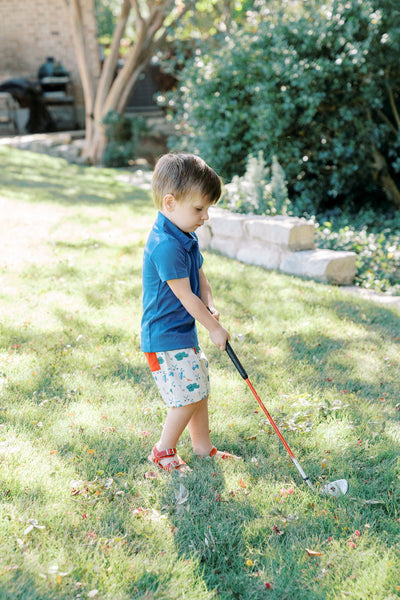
(79, 413)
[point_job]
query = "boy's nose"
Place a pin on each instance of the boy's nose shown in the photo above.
(205, 216)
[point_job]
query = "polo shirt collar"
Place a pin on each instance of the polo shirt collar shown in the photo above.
(188, 240)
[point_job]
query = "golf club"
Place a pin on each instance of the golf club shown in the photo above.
(335, 488)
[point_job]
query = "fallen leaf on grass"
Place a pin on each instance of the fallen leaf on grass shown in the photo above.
(139, 511)
(364, 502)
(107, 487)
(54, 570)
(241, 483)
(313, 552)
(22, 545)
(151, 475)
(182, 495)
(8, 568)
(286, 492)
(277, 530)
(33, 524)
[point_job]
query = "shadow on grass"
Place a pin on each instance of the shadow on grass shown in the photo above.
(49, 379)
(37, 177)
(321, 352)
(210, 529)
(22, 586)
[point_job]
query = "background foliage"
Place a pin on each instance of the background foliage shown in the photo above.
(376, 243)
(313, 83)
(124, 133)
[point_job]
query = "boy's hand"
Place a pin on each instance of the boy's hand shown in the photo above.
(219, 337)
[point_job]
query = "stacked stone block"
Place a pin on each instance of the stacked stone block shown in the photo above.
(281, 243)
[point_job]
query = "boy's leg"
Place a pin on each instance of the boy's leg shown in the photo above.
(195, 417)
(199, 429)
(176, 421)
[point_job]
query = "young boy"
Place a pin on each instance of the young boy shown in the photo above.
(176, 293)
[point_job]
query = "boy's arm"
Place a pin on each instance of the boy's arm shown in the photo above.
(206, 294)
(196, 307)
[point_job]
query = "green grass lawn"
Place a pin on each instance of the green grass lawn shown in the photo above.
(82, 515)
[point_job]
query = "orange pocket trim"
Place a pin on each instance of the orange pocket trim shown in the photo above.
(153, 361)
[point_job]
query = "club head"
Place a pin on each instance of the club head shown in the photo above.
(335, 488)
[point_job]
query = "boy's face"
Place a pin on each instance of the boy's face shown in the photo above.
(188, 214)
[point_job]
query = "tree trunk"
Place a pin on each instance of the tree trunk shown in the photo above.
(112, 91)
(83, 59)
(384, 178)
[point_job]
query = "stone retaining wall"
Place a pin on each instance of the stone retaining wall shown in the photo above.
(282, 243)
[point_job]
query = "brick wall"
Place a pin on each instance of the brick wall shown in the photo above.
(31, 30)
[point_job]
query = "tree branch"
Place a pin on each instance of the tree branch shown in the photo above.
(123, 100)
(393, 106)
(386, 181)
(185, 7)
(111, 61)
(387, 121)
(132, 62)
(156, 22)
(136, 8)
(137, 58)
(82, 55)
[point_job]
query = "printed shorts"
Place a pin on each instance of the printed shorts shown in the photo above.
(181, 375)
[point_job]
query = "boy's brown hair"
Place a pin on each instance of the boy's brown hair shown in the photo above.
(178, 174)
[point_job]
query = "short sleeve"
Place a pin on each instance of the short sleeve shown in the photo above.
(170, 261)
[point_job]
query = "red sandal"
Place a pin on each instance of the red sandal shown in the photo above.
(221, 454)
(175, 464)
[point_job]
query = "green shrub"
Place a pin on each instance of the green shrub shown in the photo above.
(261, 191)
(124, 134)
(314, 84)
(375, 241)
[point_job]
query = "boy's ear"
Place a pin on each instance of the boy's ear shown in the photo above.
(169, 202)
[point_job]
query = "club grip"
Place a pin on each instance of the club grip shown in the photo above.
(234, 358)
(236, 361)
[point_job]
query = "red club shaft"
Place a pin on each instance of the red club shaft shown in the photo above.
(270, 419)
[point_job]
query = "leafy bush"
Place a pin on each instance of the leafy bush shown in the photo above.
(124, 133)
(376, 243)
(312, 83)
(261, 191)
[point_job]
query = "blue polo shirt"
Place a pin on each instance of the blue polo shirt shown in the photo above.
(169, 254)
